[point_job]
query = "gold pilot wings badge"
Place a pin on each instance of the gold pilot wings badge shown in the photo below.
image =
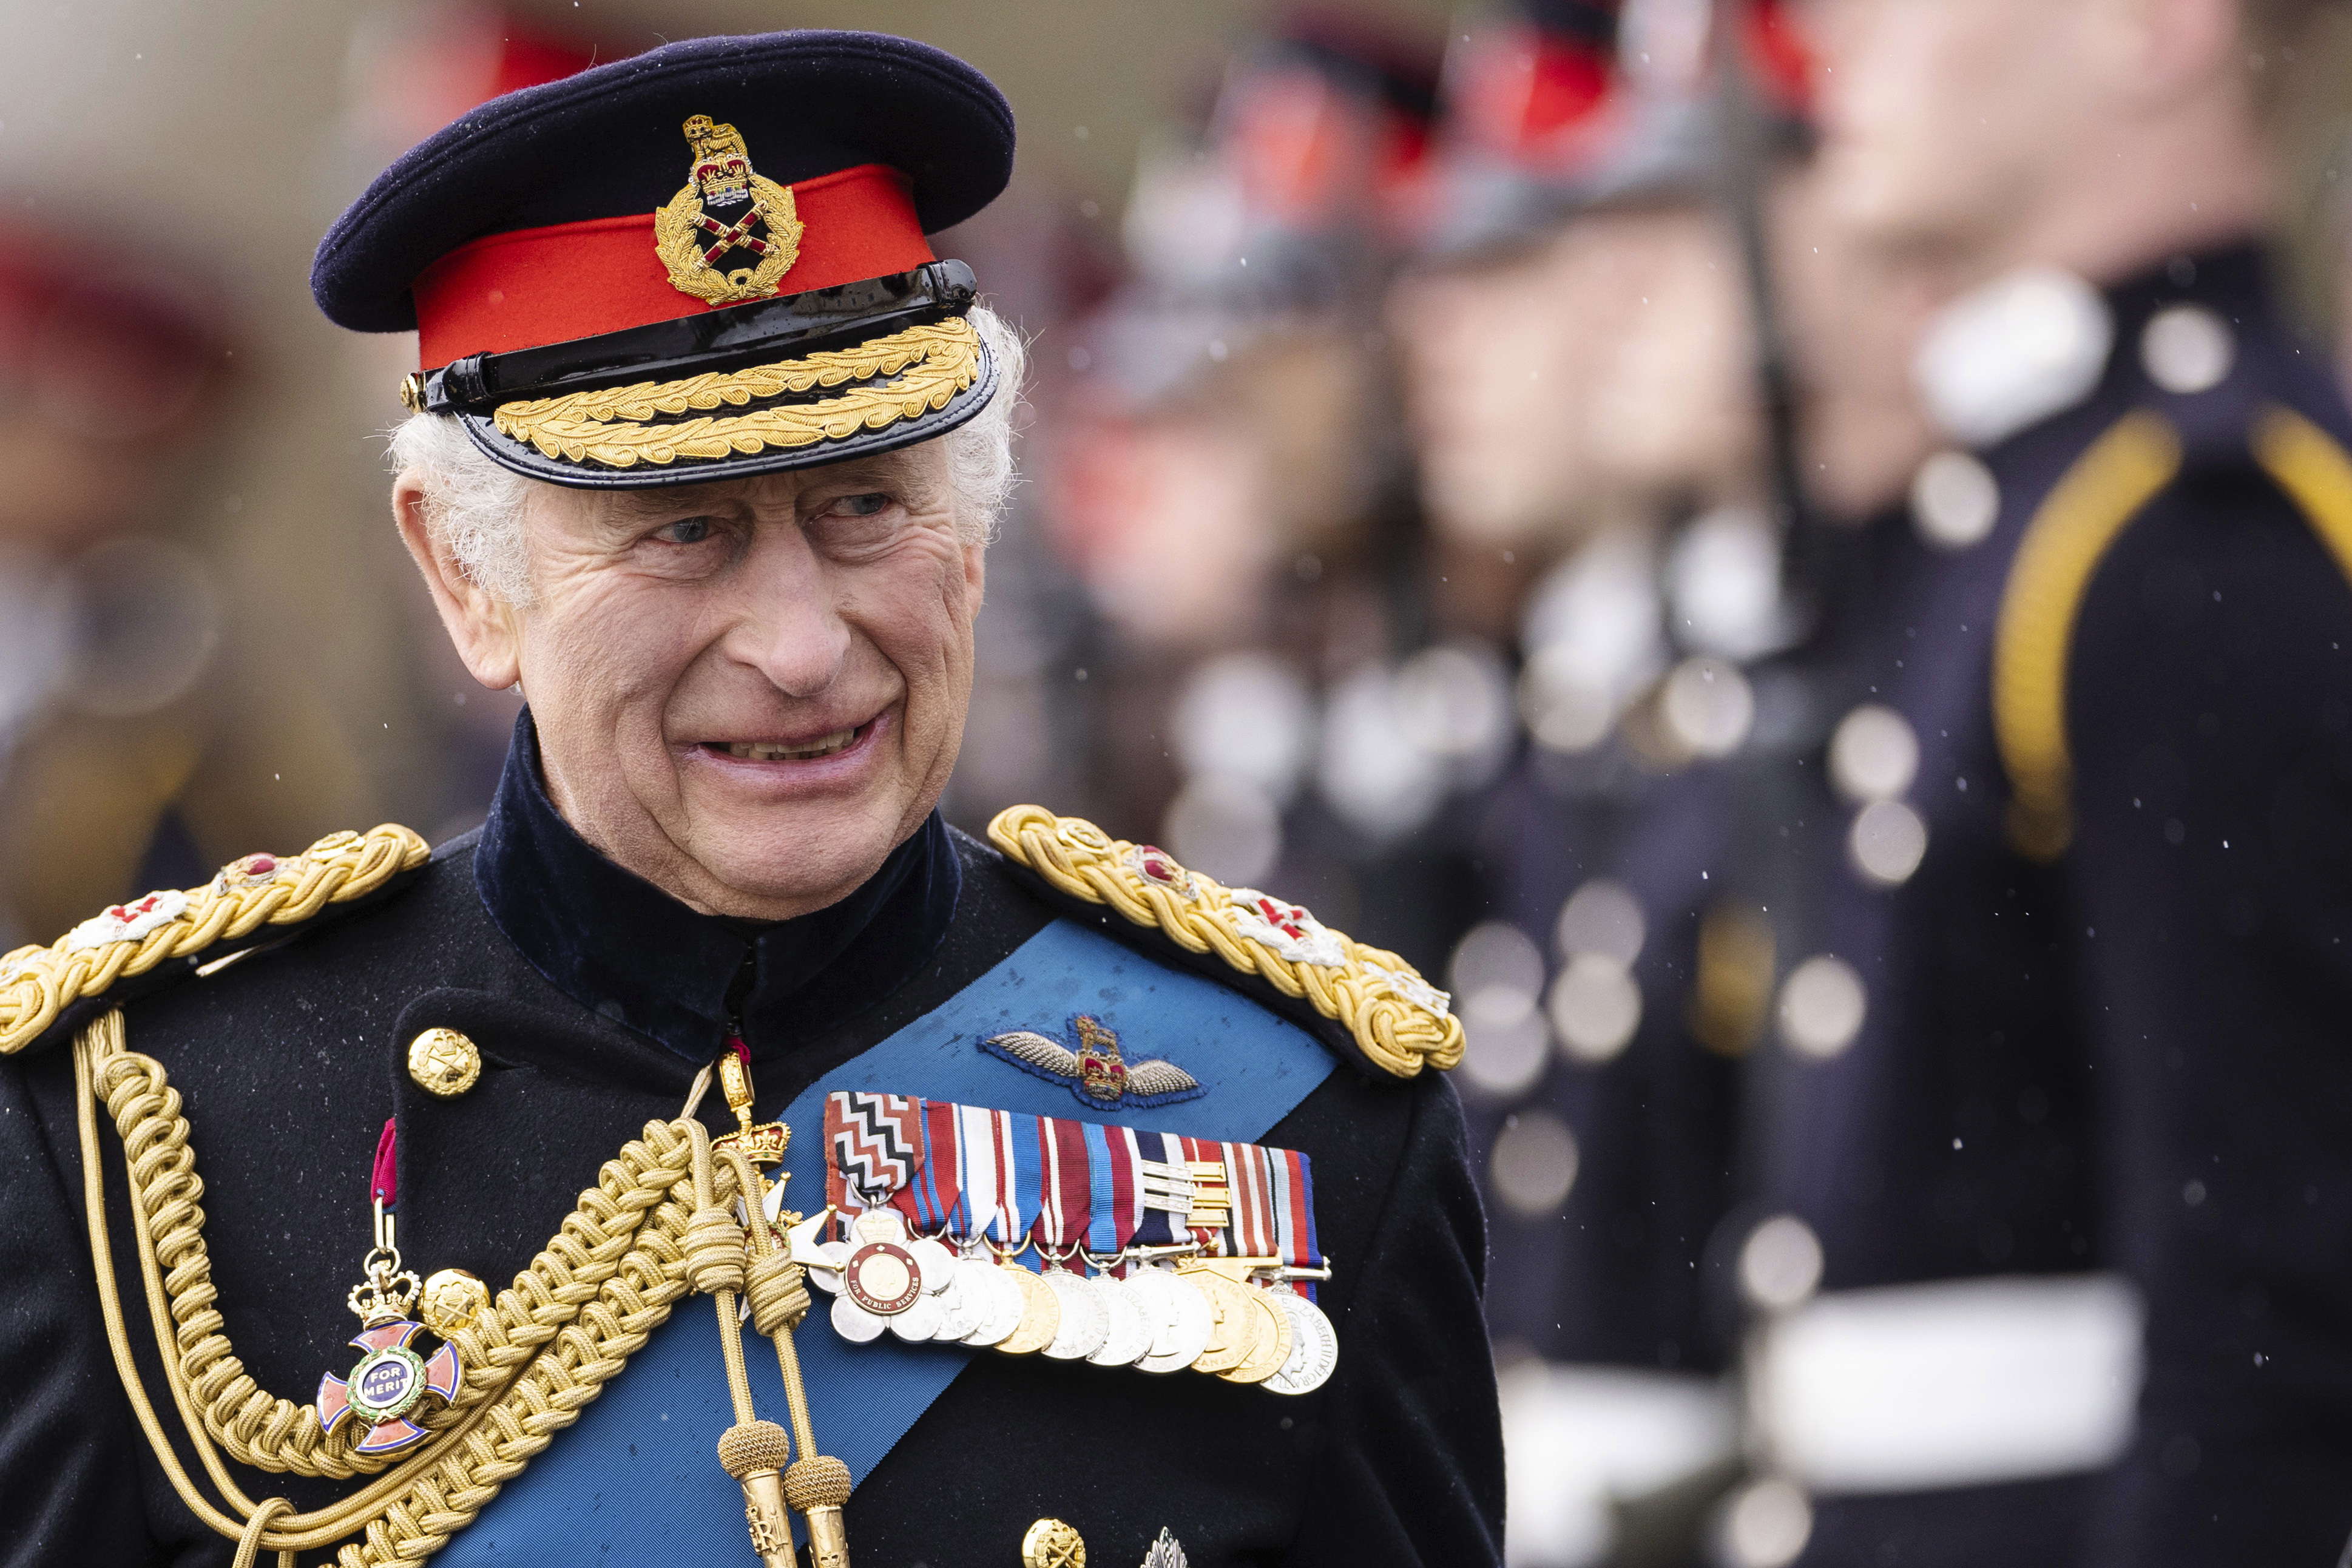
(1095, 1071)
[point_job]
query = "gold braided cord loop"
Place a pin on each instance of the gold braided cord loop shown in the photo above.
(274, 1434)
(565, 1327)
(614, 1321)
(2084, 512)
(903, 376)
(1400, 1021)
(36, 984)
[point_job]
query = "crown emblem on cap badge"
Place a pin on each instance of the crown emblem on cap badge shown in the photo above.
(724, 211)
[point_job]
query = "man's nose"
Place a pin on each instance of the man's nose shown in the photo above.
(789, 625)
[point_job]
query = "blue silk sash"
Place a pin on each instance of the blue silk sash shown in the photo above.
(636, 1478)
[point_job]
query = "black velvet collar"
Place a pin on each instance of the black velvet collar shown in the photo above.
(614, 941)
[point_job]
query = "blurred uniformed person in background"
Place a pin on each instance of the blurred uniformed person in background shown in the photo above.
(2052, 1148)
(1629, 331)
(137, 743)
(1293, 682)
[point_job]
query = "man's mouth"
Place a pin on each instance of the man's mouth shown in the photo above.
(796, 752)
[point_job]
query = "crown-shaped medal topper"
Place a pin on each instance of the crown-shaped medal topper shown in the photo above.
(723, 165)
(762, 1142)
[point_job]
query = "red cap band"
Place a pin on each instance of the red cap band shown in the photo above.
(538, 286)
(1540, 100)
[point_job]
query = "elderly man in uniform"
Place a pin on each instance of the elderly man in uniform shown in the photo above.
(1140, 1225)
(2057, 1126)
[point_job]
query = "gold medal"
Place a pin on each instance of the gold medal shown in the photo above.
(1238, 1324)
(1041, 1319)
(1273, 1347)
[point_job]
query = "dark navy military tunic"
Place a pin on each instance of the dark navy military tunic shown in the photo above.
(594, 999)
(1618, 1275)
(2134, 1056)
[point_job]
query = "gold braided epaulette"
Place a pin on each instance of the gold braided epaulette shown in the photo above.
(38, 983)
(1400, 1021)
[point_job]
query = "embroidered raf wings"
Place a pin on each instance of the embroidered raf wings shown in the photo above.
(1096, 1073)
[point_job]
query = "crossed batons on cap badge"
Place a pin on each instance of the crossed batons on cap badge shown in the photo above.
(691, 242)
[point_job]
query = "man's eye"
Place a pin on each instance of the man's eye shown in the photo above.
(684, 530)
(861, 506)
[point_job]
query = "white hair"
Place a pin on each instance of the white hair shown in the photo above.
(475, 507)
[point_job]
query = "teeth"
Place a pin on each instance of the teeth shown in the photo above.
(761, 752)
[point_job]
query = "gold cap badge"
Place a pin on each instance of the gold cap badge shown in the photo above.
(725, 212)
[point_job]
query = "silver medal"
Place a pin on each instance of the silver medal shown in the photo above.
(1314, 1346)
(855, 1323)
(1001, 1301)
(921, 1321)
(1128, 1334)
(1181, 1319)
(957, 1307)
(937, 1263)
(1085, 1324)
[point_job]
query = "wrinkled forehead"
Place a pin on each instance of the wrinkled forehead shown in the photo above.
(915, 475)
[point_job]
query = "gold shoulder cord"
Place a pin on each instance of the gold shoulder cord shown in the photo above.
(591, 1298)
(2117, 475)
(1400, 1021)
(656, 1226)
(36, 984)
(2315, 471)
(2084, 515)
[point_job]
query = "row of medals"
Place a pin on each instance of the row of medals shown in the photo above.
(1215, 1315)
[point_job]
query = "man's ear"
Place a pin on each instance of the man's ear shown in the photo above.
(975, 577)
(482, 624)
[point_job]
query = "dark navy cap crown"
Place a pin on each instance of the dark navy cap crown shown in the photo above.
(704, 261)
(604, 144)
